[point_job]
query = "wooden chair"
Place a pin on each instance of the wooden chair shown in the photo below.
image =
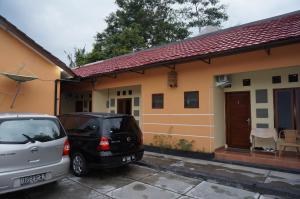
(288, 138)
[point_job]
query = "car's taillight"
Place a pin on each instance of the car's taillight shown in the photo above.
(66, 148)
(103, 144)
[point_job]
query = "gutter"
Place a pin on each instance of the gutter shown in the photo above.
(55, 90)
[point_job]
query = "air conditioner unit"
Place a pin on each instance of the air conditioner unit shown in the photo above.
(223, 81)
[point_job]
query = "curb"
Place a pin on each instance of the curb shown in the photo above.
(254, 186)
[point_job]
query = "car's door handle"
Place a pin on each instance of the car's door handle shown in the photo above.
(33, 161)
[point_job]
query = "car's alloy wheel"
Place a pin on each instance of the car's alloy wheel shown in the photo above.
(79, 165)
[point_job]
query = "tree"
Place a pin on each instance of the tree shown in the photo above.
(79, 55)
(140, 24)
(201, 13)
(137, 24)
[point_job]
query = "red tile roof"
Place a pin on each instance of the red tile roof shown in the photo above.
(280, 28)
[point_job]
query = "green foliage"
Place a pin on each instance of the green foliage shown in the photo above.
(201, 13)
(140, 24)
(163, 141)
(185, 145)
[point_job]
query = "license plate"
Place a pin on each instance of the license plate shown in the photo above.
(128, 158)
(33, 179)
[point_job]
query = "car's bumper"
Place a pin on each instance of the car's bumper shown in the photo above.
(112, 161)
(10, 181)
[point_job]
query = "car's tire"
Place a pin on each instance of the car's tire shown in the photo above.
(79, 165)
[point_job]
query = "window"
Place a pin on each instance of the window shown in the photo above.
(136, 113)
(262, 113)
(85, 104)
(118, 93)
(112, 102)
(262, 125)
(124, 92)
(80, 125)
(191, 99)
(118, 125)
(246, 82)
(158, 100)
(276, 79)
(293, 78)
(130, 92)
(262, 96)
(136, 101)
(21, 131)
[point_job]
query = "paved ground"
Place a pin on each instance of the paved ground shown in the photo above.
(254, 179)
(134, 182)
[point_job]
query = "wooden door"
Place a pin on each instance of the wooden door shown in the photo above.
(79, 106)
(124, 106)
(238, 119)
(90, 106)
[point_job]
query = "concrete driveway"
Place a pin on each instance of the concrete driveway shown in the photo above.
(133, 182)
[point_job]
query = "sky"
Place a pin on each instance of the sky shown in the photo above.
(61, 25)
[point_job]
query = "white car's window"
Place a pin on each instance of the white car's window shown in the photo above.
(29, 130)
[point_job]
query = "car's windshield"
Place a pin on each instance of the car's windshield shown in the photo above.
(20, 131)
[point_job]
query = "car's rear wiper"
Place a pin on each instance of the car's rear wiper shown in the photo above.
(29, 138)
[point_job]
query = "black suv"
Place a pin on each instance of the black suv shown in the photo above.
(102, 140)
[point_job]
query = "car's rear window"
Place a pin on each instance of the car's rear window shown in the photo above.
(20, 131)
(120, 124)
(80, 125)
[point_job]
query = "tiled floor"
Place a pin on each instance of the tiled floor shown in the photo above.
(288, 160)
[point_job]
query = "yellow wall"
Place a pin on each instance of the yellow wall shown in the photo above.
(36, 96)
(202, 127)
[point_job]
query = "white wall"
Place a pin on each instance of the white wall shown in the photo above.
(99, 101)
(102, 97)
(219, 117)
(263, 80)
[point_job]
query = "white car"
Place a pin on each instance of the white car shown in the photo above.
(34, 150)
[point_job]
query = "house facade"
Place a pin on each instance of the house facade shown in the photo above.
(202, 93)
(29, 75)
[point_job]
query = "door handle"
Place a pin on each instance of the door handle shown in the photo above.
(33, 161)
(248, 121)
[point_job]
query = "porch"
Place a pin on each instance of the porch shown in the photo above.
(255, 104)
(289, 160)
(121, 100)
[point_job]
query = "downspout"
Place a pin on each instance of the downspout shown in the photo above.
(55, 96)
